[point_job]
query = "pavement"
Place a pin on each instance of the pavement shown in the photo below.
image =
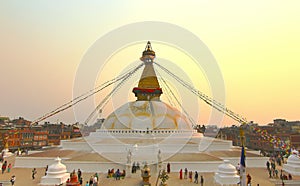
(23, 178)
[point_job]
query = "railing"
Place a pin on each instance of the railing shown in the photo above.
(287, 182)
(5, 183)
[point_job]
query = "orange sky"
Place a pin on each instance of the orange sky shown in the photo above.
(255, 43)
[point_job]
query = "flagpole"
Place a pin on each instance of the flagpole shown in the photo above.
(243, 159)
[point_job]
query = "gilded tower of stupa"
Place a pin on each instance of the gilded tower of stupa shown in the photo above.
(148, 87)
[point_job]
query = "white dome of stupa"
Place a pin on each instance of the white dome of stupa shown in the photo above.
(146, 115)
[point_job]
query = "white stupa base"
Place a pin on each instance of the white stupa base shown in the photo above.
(292, 169)
(226, 180)
(55, 180)
(145, 144)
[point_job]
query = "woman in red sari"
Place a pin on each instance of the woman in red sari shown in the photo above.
(4, 165)
(180, 174)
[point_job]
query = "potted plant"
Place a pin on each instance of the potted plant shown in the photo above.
(163, 177)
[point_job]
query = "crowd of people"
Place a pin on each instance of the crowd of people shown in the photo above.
(6, 167)
(135, 167)
(93, 180)
(273, 170)
(111, 173)
(188, 175)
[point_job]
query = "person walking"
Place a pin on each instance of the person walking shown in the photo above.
(270, 173)
(97, 176)
(185, 173)
(33, 173)
(180, 174)
(80, 181)
(12, 180)
(9, 168)
(168, 168)
(95, 181)
(191, 176)
(4, 166)
(196, 177)
(46, 170)
(201, 180)
(249, 180)
(91, 180)
(238, 168)
(273, 167)
(79, 173)
(133, 168)
(290, 177)
(117, 175)
(268, 165)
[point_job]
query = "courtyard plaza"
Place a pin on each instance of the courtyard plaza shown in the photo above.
(23, 177)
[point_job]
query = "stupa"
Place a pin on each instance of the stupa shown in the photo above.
(148, 125)
(226, 174)
(146, 130)
(56, 174)
(293, 163)
(5, 152)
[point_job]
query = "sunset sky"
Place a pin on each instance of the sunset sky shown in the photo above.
(255, 43)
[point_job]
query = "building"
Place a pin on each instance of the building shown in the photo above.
(19, 134)
(256, 136)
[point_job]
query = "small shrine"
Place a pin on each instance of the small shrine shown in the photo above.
(227, 174)
(293, 163)
(56, 174)
(5, 152)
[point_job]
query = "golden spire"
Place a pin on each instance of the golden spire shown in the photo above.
(148, 53)
(148, 87)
